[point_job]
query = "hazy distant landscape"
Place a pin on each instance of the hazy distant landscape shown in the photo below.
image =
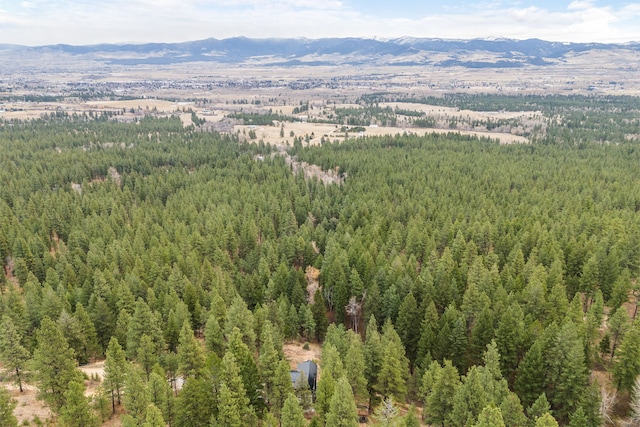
(406, 51)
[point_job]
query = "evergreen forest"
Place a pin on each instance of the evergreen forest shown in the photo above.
(449, 280)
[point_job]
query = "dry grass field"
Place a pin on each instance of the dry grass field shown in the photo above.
(29, 410)
(332, 133)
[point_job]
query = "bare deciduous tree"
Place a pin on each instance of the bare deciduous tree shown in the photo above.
(607, 402)
(354, 310)
(634, 403)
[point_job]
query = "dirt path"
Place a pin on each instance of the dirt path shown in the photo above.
(93, 369)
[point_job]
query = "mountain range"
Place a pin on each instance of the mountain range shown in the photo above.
(476, 53)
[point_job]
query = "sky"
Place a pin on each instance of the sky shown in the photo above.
(84, 22)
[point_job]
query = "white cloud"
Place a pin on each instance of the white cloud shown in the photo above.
(580, 4)
(87, 21)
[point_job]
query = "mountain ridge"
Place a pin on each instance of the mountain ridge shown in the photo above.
(472, 53)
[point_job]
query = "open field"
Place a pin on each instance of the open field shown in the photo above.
(332, 133)
(214, 91)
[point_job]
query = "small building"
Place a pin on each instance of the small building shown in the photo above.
(309, 371)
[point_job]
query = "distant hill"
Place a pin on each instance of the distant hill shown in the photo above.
(476, 53)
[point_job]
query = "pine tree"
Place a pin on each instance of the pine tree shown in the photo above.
(324, 393)
(546, 420)
(213, 336)
(292, 415)
(595, 312)
(7, 405)
(620, 291)
(470, 399)
(12, 354)
(90, 347)
(578, 419)
(319, 310)
(411, 419)
(510, 337)
(481, 334)
(101, 404)
(70, 328)
(195, 405)
(282, 386)
(513, 412)
(191, 361)
(373, 353)
(342, 410)
(355, 368)
(428, 380)
(530, 378)
(114, 372)
(160, 393)
(128, 421)
(496, 386)
(14, 307)
(270, 420)
(591, 405)
(143, 322)
(394, 373)
(235, 400)
(540, 407)
(121, 328)
(239, 316)
(54, 363)
(136, 397)
(331, 362)
(277, 385)
(490, 417)
(153, 417)
(428, 330)
(408, 318)
(146, 355)
(569, 374)
(292, 323)
(338, 338)
(458, 343)
(307, 322)
(439, 402)
(172, 330)
(248, 370)
(303, 392)
(619, 324)
(76, 411)
(228, 409)
(627, 364)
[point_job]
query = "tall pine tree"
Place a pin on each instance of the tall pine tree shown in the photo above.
(342, 409)
(54, 363)
(12, 354)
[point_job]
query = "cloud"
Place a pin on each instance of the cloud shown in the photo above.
(87, 22)
(580, 4)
